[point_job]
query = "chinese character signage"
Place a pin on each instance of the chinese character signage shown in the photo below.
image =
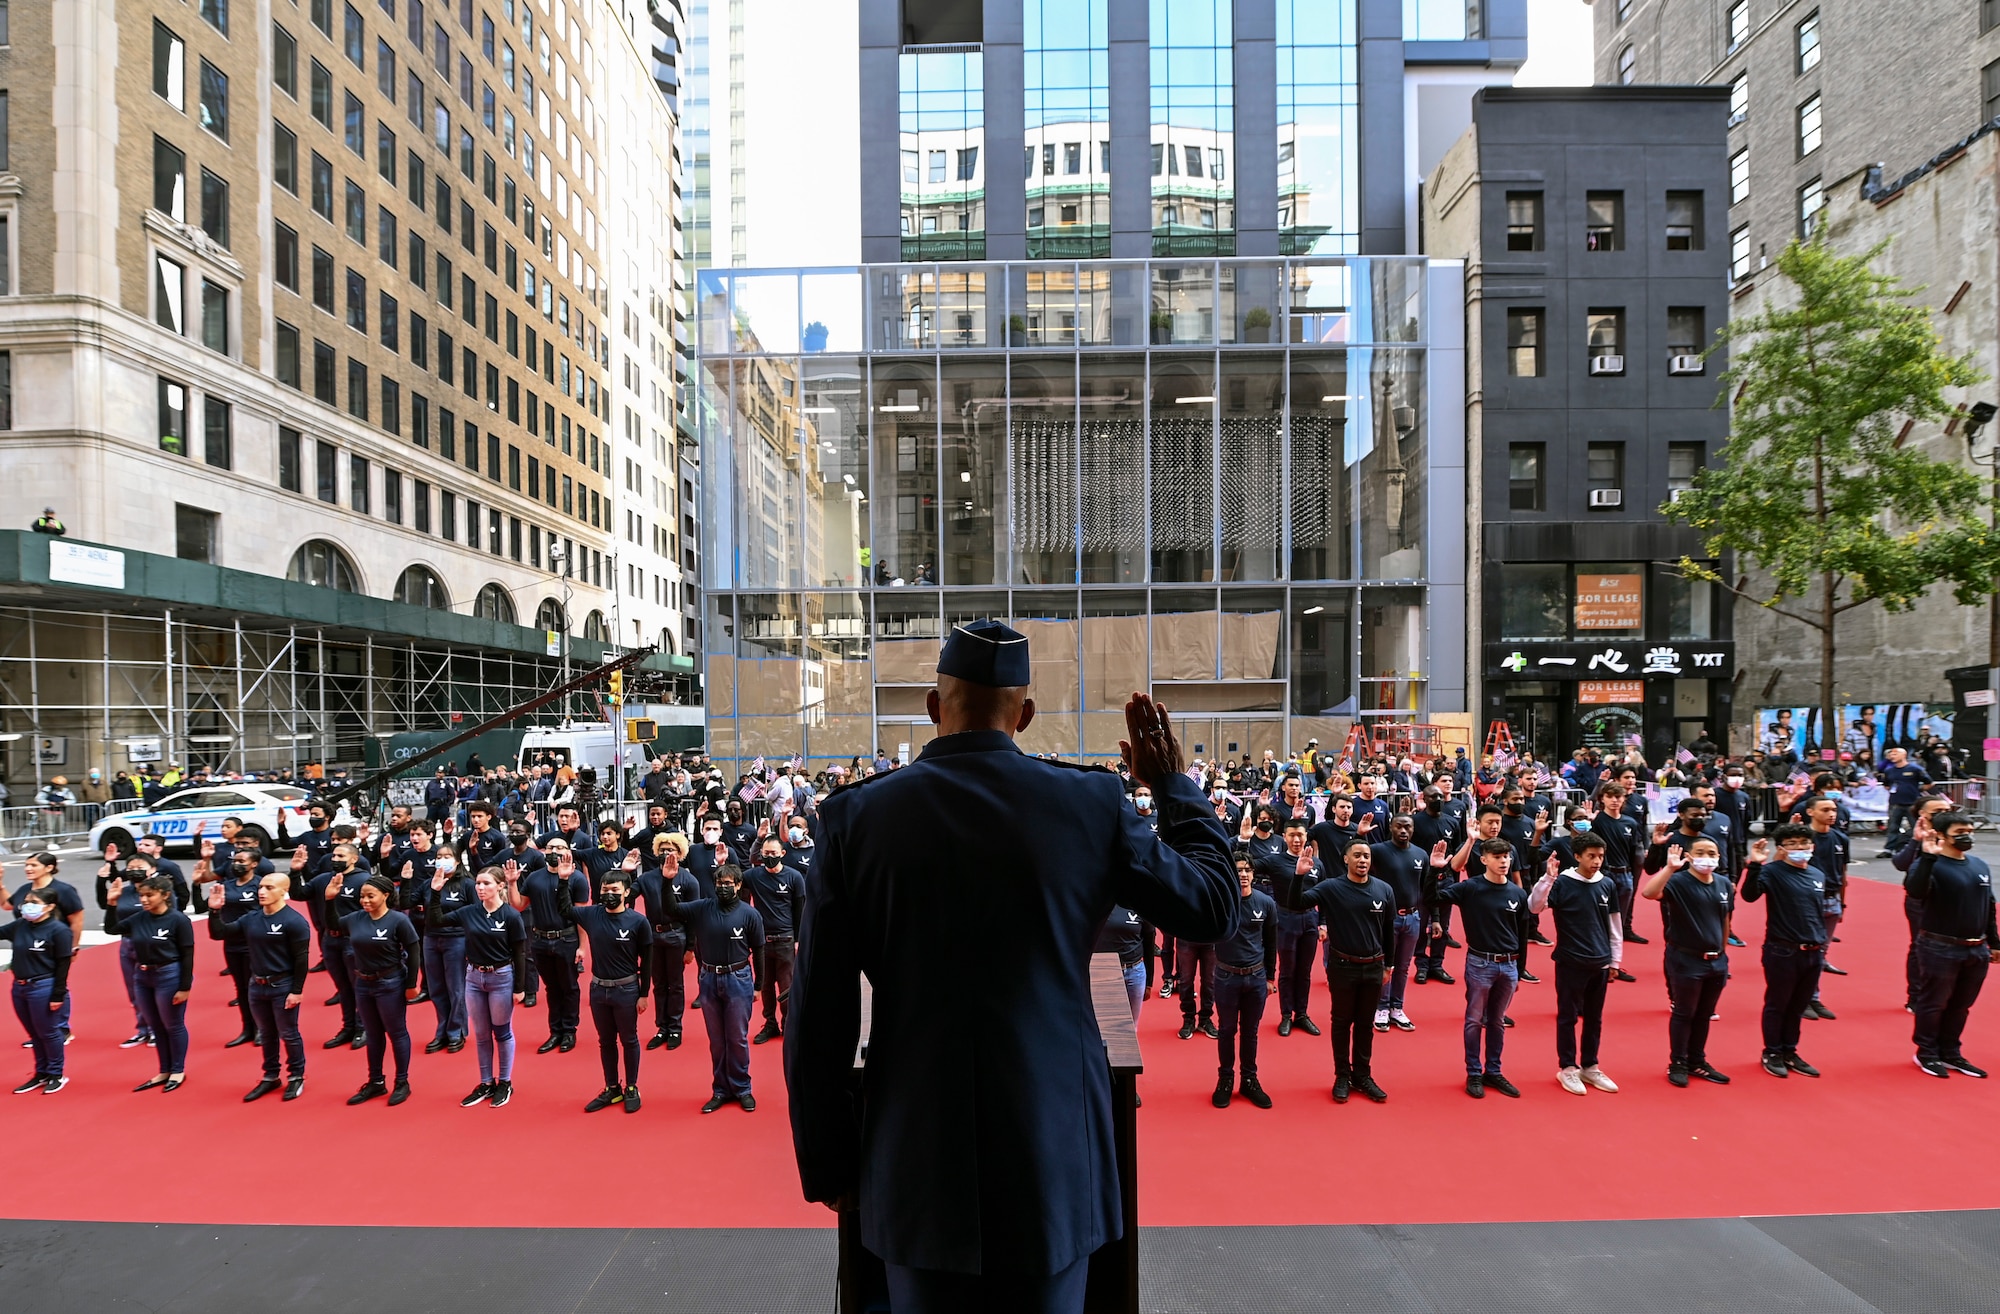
(1609, 603)
(1609, 661)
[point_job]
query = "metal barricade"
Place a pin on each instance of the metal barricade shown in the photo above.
(28, 828)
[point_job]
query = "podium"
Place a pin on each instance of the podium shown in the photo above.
(1114, 1268)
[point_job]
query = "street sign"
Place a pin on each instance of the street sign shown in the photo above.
(1979, 698)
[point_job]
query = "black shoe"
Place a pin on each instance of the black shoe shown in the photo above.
(749, 1103)
(1825, 1013)
(32, 1084)
(1443, 977)
(434, 1045)
(1538, 938)
(531, 999)
(369, 1091)
(568, 1042)
(605, 1098)
(246, 1038)
(1506, 1022)
(1367, 1086)
(1305, 1024)
(1530, 977)
(549, 1044)
(135, 1040)
(261, 1089)
(1422, 973)
(173, 1084)
(1223, 1090)
(1285, 1025)
(1494, 1081)
(234, 1002)
(631, 1099)
(1451, 943)
(1736, 943)
(1707, 1073)
(673, 1040)
(1622, 975)
(1252, 1091)
(1636, 939)
(399, 1094)
(319, 966)
(1933, 1066)
(455, 1044)
(1341, 1086)
(659, 1039)
(339, 1038)
(1677, 1073)
(423, 997)
(359, 1041)
(1187, 1028)
(1167, 988)
(1961, 1066)
(480, 1094)
(1476, 1087)
(331, 1000)
(294, 1088)
(769, 1032)
(1774, 1063)
(714, 1102)
(1805, 1069)
(502, 1092)
(1831, 970)
(157, 1079)
(1208, 1029)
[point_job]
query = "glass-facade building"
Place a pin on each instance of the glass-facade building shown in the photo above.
(1237, 483)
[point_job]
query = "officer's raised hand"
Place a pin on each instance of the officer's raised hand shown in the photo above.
(1152, 753)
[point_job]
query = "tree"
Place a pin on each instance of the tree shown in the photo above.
(1815, 488)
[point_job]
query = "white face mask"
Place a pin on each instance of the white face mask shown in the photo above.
(34, 912)
(1702, 865)
(1798, 857)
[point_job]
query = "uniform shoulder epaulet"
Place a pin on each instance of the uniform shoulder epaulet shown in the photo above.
(852, 785)
(1076, 766)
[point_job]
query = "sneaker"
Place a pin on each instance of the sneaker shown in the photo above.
(502, 1092)
(134, 1041)
(659, 1039)
(1961, 1066)
(1494, 1081)
(1538, 938)
(369, 1090)
(1594, 1077)
(1736, 943)
(1476, 1087)
(1707, 1073)
(54, 1084)
(1636, 939)
(1677, 1073)
(1254, 1092)
(480, 1094)
(1167, 988)
(1367, 1086)
(1341, 1087)
(604, 1099)
(1805, 1069)
(769, 1033)
(1530, 977)
(1401, 1020)
(1187, 1028)
(631, 1099)
(1224, 1088)
(1622, 975)
(1208, 1029)
(1774, 1063)
(1422, 973)
(1571, 1080)
(1381, 1019)
(1825, 1013)
(33, 1083)
(1933, 1067)
(748, 1103)
(399, 1094)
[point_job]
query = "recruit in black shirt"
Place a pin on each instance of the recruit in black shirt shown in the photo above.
(157, 938)
(41, 949)
(618, 942)
(780, 895)
(1695, 912)
(1255, 943)
(1359, 916)
(279, 943)
(1957, 894)
(1583, 912)
(1792, 917)
(383, 946)
(721, 937)
(1126, 934)
(1495, 913)
(492, 939)
(1402, 867)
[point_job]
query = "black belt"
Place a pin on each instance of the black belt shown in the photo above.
(1354, 958)
(569, 934)
(481, 967)
(30, 980)
(1803, 948)
(385, 976)
(1240, 971)
(614, 983)
(1491, 958)
(1702, 954)
(724, 971)
(1128, 966)
(156, 967)
(1948, 939)
(270, 980)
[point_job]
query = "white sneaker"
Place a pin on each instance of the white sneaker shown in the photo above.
(1401, 1020)
(1381, 1019)
(1594, 1076)
(1571, 1081)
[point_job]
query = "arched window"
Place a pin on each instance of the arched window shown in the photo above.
(1628, 67)
(667, 639)
(419, 586)
(593, 628)
(494, 604)
(549, 616)
(320, 563)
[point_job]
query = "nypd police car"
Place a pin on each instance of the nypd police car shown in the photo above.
(183, 819)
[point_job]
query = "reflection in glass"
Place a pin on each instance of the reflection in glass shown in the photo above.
(943, 161)
(834, 417)
(964, 314)
(1247, 303)
(1111, 396)
(770, 667)
(1042, 424)
(1067, 160)
(1183, 468)
(1392, 639)
(719, 657)
(1252, 400)
(840, 693)
(1183, 305)
(905, 473)
(975, 471)
(712, 296)
(1044, 309)
(1194, 119)
(1318, 210)
(770, 491)
(1321, 629)
(1441, 20)
(830, 310)
(1690, 604)
(1114, 665)
(766, 310)
(714, 423)
(1322, 494)
(1320, 296)
(1393, 467)
(1534, 601)
(907, 638)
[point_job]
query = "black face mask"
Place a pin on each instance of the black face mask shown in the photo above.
(1963, 843)
(772, 864)
(317, 823)
(342, 865)
(1513, 809)
(1434, 805)
(611, 899)
(725, 896)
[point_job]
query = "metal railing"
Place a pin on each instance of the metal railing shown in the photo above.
(35, 826)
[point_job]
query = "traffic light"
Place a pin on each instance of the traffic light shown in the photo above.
(641, 730)
(618, 686)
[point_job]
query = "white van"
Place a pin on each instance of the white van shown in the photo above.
(580, 744)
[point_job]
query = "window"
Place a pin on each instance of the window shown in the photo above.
(1524, 476)
(357, 483)
(173, 400)
(1687, 332)
(214, 317)
(420, 342)
(1739, 23)
(1605, 465)
(1605, 333)
(387, 244)
(1524, 221)
(1524, 342)
(1684, 221)
(1628, 67)
(216, 14)
(389, 319)
(968, 164)
(290, 477)
(169, 67)
(1739, 99)
(326, 473)
(1684, 462)
(320, 98)
(169, 289)
(1624, 10)
(1604, 221)
(385, 153)
(1809, 126)
(1739, 254)
(420, 420)
(323, 373)
(322, 187)
(353, 124)
(214, 100)
(322, 16)
(215, 208)
(1739, 177)
(352, 35)
(194, 533)
(215, 433)
(1991, 82)
(1989, 15)
(356, 211)
(1806, 39)
(937, 166)
(288, 355)
(357, 301)
(392, 499)
(169, 180)
(420, 520)
(322, 288)
(284, 157)
(385, 70)
(1812, 200)
(357, 390)
(1534, 601)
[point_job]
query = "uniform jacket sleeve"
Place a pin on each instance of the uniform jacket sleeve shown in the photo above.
(825, 1028)
(1180, 878)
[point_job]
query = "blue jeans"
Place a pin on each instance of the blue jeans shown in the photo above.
(1489, 988)
(31, 1005)
(384, 1021)
(725, 1011)
(489, 1000)
(277, 1023)
(1409, 927)
(1298, 945)
(614, 1010)
(444, 971)
(929, 1291)
(166, 1021)
(1239, 1005)
(128, 966)
(1135, 986)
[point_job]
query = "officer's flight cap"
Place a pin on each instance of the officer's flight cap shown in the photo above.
(986, 652)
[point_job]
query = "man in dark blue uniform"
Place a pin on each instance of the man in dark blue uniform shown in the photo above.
(979, 1150)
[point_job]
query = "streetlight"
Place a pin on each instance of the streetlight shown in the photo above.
(1977, 417)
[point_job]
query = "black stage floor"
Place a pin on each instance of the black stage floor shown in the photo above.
(1939, 1263)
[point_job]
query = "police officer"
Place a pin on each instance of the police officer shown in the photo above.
(279, 940)
(1246, 967)
(957, 1227)
(621, 944)
(162, 940)
(1497, 923)
(1401, 865)
(552, 938)
(728, 940)
(1586, 958)
(1955, 944)
(382, 944)
(1286, 876)
(1794, 943)
(1695, 900)
(669, 935)
(1357, 914)
(779, 892)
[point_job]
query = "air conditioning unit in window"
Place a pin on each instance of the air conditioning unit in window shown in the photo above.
(1676, 494)
(1606, 497)
(1607, 365)
(1684, 365)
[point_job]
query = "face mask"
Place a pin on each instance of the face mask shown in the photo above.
(1798, 857)
(1581, 825)
(796, 834)
(1703, 865)
(1735, 782)
(447, 863)
(342, 864)
(1143, 804)
(1264, 826)
(1963, 843)
(711, 837)
(725, 896)
(34, 912)
(1434, 805)
(1514, 809)
(611, 900)
(772, 864)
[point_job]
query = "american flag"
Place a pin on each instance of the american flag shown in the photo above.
(1682, 756)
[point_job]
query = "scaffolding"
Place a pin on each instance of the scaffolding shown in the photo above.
(119, 690)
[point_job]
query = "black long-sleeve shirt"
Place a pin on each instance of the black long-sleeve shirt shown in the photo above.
(1277, 874)
(1359, 916)
(1255, 943)
(157, 939)
(543, 891)
(618, 941)
(1797, 896)
(1495, 913)
(652, 892)
(384, 946)
(280, 943)
(492, 939)
(1957, 895)
(720, 937)
(42, 948)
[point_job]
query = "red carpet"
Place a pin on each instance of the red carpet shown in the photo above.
(1852, 1141)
